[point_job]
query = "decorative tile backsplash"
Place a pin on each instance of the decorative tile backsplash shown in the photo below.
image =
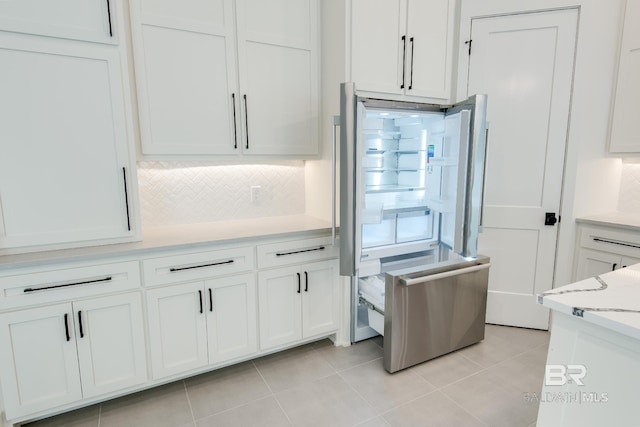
(190, 192)
(629, 198)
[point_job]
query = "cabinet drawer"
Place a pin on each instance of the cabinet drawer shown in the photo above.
(31, 287)
(197, 266)
(618, 242)
(297, 251)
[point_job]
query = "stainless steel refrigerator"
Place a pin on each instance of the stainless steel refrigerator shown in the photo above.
(411, 192)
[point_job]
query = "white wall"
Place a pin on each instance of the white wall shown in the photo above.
(592, 179)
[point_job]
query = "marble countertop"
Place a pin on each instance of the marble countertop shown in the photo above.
(189, 236)
(630, 221)
(616, 290)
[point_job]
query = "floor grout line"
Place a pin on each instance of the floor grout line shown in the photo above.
(464, 409)
(186, 392)
(273, 394)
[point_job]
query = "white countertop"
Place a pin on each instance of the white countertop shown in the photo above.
(625, 220)
(622, 292)
(178, 237)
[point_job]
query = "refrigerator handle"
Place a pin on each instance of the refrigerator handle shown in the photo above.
(484, 175)
(336, 123)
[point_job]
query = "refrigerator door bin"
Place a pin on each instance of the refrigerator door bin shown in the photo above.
(432, 312)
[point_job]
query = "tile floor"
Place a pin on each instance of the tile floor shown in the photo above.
(322, 385)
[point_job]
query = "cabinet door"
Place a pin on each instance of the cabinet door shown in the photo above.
(320, 296)
(90, 20)
(430, 32)
(111, 343)
(593, 263)
(379, 45)
(624, 127)
(280, 306)
(231, 317)
(38, 360)
(279, 81)
(185, 59)
(63, 168)
(177, 329)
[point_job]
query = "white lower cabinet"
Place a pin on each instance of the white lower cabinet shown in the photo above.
(604, 249)
(206, 322)
(593, 263)
(63, 353)
(298, 302)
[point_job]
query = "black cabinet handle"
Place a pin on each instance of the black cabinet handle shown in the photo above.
(235, 126)
(319, 248)
(404, 56)
(126, 198)
(411, 72)
(210, 299)
(246, 120)
(200, 295)
(66, 326)
(298, 282)
(80, 324)
(306, 282)
(86, 282)
(109, 16)
(614, 266)
(174, 269)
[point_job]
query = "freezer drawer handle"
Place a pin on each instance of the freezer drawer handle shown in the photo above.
(319, 248)
(437, 276)
(86, 282)
(174, 269)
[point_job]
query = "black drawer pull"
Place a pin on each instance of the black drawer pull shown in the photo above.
(306, 281)
(106, 279)
(320, 248)
(614, 242)
(200, 296)
(200, 266)
(210, 299)
(80, 323)
(298, 282)
(66, 326)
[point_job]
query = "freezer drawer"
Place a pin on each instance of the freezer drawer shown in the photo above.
(432, 312)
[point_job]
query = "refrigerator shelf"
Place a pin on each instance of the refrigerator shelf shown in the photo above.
(391, 188)
(378, 151)
(373, 169)
(399, 209)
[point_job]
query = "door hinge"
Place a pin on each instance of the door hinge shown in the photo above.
(469, 43)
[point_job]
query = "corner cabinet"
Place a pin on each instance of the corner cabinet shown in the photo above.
(624, 128)
(227, 77)
(403, 47)
(605, 249)
(67, 172)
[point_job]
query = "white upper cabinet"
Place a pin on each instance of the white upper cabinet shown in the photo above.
(227, 77)
(65, 175)
(624, 137)
(88, 20)
(403, 47)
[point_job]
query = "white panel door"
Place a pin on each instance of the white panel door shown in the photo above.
(38, 360)
(63, 139)
(430, 32)
(320, 311)
(90, 20)
(186, 70)
(378, 49)
(524, 62)
(624, 124)
(278, 61)
(177, 329)
(231, 317)
(111, 343)
(280, 306)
